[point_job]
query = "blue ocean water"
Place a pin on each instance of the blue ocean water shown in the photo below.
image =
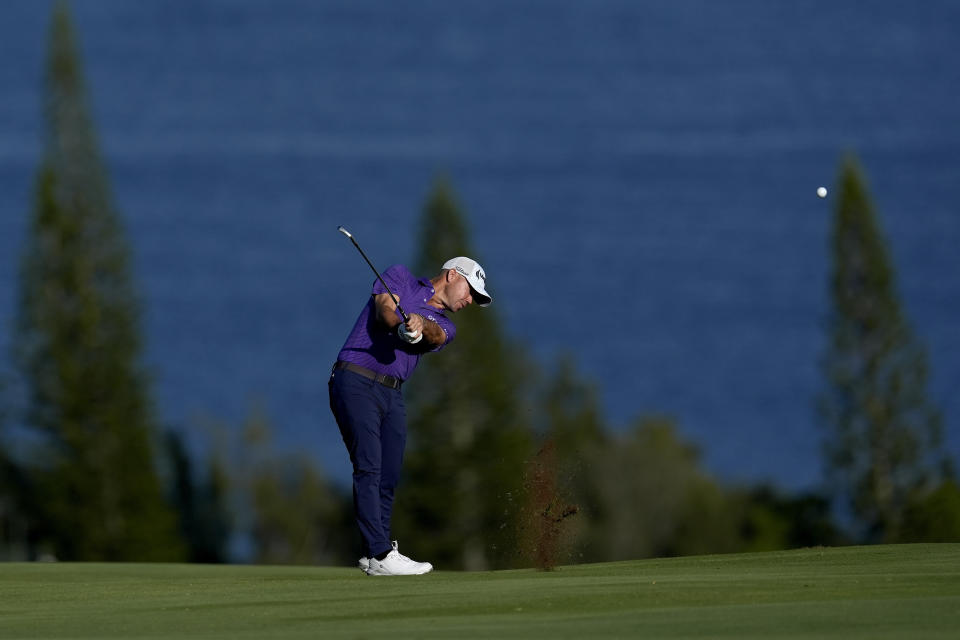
(639, 177)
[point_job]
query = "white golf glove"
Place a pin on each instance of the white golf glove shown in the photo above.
(409, 336)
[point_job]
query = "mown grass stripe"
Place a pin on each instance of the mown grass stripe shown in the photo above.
(876, 592)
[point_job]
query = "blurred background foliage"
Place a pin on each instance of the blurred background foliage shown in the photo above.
(510, 462)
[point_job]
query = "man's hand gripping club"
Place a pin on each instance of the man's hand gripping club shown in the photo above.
(411, 331)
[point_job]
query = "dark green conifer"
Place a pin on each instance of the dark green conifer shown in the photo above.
(883, 441)
(78, 344)
(468, 433)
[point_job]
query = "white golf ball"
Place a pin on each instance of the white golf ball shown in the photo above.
(822, 192)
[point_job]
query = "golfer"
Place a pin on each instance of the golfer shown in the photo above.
(378, 356)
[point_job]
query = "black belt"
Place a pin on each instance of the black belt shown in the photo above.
(382, 378)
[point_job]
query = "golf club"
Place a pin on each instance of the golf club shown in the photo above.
(406, 319)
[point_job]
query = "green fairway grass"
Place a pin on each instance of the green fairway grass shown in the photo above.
(905, 591)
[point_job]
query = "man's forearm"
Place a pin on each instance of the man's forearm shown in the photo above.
(433, 333)
(386, 310)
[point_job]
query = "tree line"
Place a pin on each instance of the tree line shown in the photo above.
(510, 462)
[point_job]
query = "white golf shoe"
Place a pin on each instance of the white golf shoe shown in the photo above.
(364, 564)
(397, 564)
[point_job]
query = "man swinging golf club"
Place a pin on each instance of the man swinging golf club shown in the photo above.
(404, 318)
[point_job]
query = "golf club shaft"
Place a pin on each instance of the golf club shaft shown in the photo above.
(406, 319)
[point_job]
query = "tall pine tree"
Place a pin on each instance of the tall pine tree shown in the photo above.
(468, 433)
(78, 344)
(883, 444)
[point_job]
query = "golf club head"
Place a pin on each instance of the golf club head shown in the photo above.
(344, 232)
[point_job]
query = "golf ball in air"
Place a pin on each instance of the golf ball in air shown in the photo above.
(822, 192)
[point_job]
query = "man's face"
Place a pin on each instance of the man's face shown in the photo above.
(460, 295)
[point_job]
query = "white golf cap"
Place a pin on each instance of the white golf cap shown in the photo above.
(473, 272)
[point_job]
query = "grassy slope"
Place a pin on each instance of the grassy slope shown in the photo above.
(870, 592)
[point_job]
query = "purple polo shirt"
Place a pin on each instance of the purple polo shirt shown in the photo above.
(373, 346)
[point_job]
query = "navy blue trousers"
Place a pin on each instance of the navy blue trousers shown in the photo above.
(373, 422)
